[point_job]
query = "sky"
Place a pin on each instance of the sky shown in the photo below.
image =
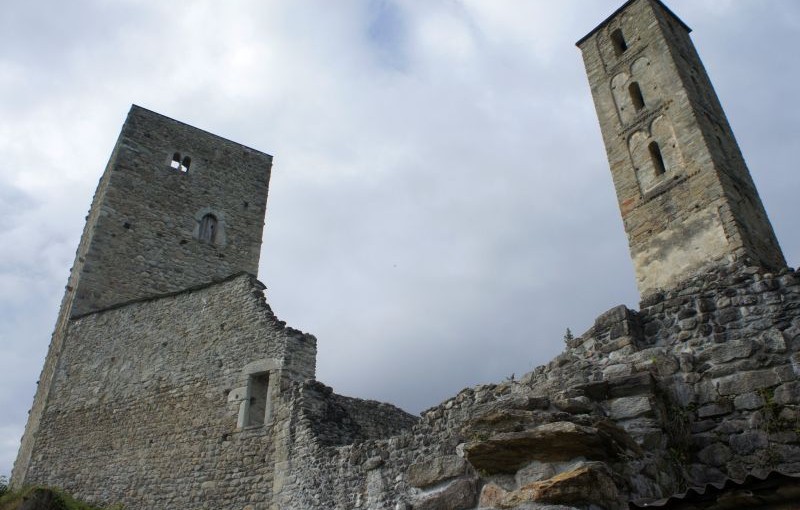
(440, 208)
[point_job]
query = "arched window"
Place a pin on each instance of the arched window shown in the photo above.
(618, 40)
(657, 158)
(180, 164)
(208, 228)
(636, 95)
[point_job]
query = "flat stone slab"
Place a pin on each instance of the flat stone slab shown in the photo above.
(552, 442)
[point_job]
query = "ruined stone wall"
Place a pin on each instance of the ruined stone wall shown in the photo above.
(146, 397)
(700, 386)
(339, 420)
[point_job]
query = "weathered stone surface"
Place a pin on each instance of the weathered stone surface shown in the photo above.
(722, 353)
(587, 484)
(424, 474)
(456, 495)
(536, 471)
(574, 405)
(720, 408)
(748, 442)
(626, 386)
(745, 382)
(716, 454)
(748, 401)
(629, 407)
(553, 442)
(788, 393)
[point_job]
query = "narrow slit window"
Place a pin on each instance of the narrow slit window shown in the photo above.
(208, 228)
(618, 40)
(636, 96)
(658, 159)
(258, 408)
(176, 161)
(185, 164)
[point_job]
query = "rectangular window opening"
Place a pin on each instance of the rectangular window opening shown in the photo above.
(258, 408)
(658, 160)
(636, 96)
(618, 40)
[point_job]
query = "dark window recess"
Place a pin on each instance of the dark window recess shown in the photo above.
(636, 96)
(618, 40)
(208, 228)
(257, 405)
(658, 159)
(180, 164)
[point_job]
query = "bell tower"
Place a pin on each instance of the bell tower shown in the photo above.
(685, 193)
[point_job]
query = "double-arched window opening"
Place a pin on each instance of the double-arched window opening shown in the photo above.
(179, 163)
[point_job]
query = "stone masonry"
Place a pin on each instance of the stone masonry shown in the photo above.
(686, 196)
(142, 234)
(170, 383)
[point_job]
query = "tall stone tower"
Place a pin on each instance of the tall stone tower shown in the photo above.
(685, 193)
(176, 207)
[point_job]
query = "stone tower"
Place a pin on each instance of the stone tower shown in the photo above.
(177, 207)
(685, 193)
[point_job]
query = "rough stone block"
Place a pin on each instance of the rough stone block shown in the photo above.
(588, 483)
(716, 454)
(788, 393)
(748, 442)
(552, 442)
(720, 408)
(748, 401)
(629, 407)
(722, 353)
(431, 472)
(456, 495)
(619, 370)
(773, 341)
(635, 384)
(746, 382)
(574, 405)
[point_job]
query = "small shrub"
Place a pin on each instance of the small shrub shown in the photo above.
(3, 485)
(51, 498)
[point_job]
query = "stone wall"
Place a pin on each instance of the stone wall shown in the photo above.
(141, 236)
(700, 386)
(338, 420)
(145, 401)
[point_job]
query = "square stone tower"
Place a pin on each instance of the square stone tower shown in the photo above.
(685, 193)
(177, 207)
